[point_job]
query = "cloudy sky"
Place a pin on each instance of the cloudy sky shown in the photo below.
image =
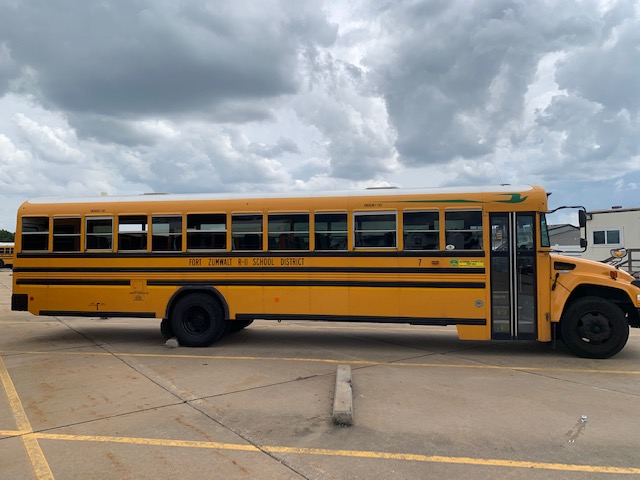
(138, 96)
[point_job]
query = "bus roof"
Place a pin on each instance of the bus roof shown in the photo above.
(375, 192)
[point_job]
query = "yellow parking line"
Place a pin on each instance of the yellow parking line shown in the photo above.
(13, 433)
(38, 461)
(329, 361)
(411, 457)
(491, 462)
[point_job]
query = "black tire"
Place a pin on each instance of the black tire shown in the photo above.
(237, 325)
(198, 320)
(165, 329)
(594, 328)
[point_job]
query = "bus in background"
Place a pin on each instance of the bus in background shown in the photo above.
(6, 254)
(476, 258)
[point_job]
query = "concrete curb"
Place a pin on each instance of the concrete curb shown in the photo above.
(343, 399)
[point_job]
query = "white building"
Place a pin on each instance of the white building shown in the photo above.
(614, 228)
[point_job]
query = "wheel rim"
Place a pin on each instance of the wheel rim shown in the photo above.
(196, 320)
(595, 328)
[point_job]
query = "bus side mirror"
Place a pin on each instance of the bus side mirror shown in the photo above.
(582, 218)
(583, 243)
(618, 252)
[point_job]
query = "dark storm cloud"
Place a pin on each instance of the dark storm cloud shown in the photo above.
(153, 57)
(455, 76)
(8, 68)
(340, 105)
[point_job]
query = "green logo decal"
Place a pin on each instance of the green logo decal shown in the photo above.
(515, 198)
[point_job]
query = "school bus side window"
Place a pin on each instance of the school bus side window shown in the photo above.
(331, 231)
(421, 230)
(35, 233)
(99, 233)
(289, 231)
(463, 230)
(132, 232)
(246, 232)
(166, 233)
(66, 234)
(375, 230)
(206, 231)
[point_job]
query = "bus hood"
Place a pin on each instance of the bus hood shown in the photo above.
(566, 263)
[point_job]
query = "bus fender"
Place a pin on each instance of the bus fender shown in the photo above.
(188, 289)
(564, 297)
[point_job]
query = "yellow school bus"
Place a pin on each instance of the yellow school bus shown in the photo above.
(6, 254)
(476, 258)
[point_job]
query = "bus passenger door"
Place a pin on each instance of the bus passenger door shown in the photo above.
(513, 276)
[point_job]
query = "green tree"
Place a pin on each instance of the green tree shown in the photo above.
(6, 236)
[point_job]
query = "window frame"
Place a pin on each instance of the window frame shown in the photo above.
(42, 233)
(292, 239)
(88, 234)
(358, 234)
(177, 235)
(406, 232)
(141, 233)
(212, 233)
(606, 231)
(76, 235)
(451, 245)
(242, 234)
(330, 233)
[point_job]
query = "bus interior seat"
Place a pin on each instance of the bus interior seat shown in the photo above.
(252, 242)
(322, 241)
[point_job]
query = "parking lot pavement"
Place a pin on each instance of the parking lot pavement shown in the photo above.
(107, 399)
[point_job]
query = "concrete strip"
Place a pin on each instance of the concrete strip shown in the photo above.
(343, 399)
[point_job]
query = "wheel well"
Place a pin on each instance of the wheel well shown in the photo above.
(613, 295)
(187, 290)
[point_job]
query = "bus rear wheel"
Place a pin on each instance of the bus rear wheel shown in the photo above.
(198, 320)
(594, 328)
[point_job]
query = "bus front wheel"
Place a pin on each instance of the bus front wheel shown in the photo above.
(594, 328)
(198, 320)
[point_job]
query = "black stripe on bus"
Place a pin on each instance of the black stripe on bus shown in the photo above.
(250, 316)
(256, 283)
(78, 282)
(316, 283)
(100, 313)
(365, 318)
(281, 269)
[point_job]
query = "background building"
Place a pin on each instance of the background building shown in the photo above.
(614, 228)
(609, 229)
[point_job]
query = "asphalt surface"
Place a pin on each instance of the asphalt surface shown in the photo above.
(89, 398)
